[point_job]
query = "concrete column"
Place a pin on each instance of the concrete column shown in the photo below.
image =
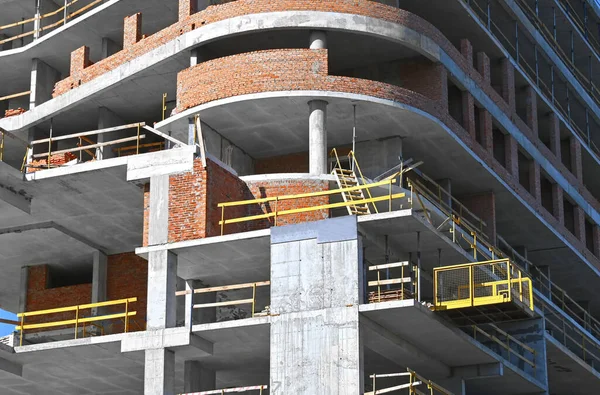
(558, 207)
(486, 130)
(508, 84)
(315, 341)
(317, 131)
(43, 78)
(579, 223)
(318, 39)
(554, 133)
(483, 66)
(99, 278)
(199, 316)
(162, 285)
(466, 49)
(108, 119)
(531, 109)
(159, 372)
(576, 160)
(446, 184)
(468, 104)
(512, 155)
(109, 47)
(198, 378)
(23, 287)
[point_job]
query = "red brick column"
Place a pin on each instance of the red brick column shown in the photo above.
(554, 133)
(186, 8)
(558, 207)
(486, 130)
(468, 104)
(508, 84)
(80, 59)
(512, 155)
(531, 108)
(535, 181)
(579, 223)
(483, 67)
(466, 49)
(576, 161)
(132, 30)
(483, 205)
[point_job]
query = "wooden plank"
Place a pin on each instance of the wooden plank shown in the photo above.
(219, 304)
(15, 95)
(164, 136)
(388, 265)
(390, 281)
(89, 133)
(113, 142)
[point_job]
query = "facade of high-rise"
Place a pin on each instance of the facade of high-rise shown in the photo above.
(300, 196)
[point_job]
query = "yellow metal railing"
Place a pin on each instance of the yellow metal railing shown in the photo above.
(415, 384)
(276, 213)
(354, 166)
(393, 288)
(259, 388)
(479, 284)
(225, 288)
(506, 342)
(78, 321)
(66, 15)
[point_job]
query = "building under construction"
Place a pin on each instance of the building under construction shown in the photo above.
(290, 197)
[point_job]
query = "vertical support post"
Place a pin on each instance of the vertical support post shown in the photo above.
(2, 147)
(554, 22)
(37, 23)
(76, 319)
(22, 329)
(471, 284)
(49, 144)
(222, 220)
(517, 39)
(126, 314)
(164, 105)
(137, 148)
(418, 266)
(253, 298)
(537, 66)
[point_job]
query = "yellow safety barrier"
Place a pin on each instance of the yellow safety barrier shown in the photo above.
(415, 384)
(479, 284)
(77, 320)
(278, 213)
(509, 343)
(396, 288)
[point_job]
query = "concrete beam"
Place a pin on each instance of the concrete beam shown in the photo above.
(481, 371)
(11, 367)
(9, 195)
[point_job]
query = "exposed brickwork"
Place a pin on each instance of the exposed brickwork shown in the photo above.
(293, 163)
(508, 84)
(512, 155)
(468, 104)
(576, 160)
(483, 67)
(294, 69)
(40, 297)
(127, 276)
(483, 205)
(132, 30)
(13, 112)
(554, 132)
(531, 109)
(55, 160)
(186, 8)
(596, 240)
(579, 223)
(466, 50)
(535, 181)
(486, 130)
(558, 207)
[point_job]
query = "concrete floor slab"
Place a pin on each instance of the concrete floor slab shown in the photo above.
(567, 373)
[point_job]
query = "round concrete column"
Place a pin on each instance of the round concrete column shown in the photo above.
(318, 39)
(317, 137)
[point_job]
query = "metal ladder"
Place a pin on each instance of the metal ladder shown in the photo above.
(347, 178)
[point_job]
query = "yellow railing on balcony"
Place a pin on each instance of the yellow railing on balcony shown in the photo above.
(479, 284)
(416, 384)
(400, 282)
(78, 321)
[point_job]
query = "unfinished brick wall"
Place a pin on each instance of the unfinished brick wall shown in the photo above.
(483, 205)
(127, 276)
(293, 69)
(40, 297)
(292, 163)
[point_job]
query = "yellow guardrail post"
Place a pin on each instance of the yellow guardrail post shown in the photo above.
(164, 105)
(2, 147)
(126, 315)
(22, 330)
(471, 285)
(222, 220)
(508, 267)
(76, 320)
(253, 298)
(276, 209)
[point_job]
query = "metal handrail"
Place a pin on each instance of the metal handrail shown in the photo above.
(404, 292)
(231, 390)
(507, 344)
(414, 380)
(77, 320)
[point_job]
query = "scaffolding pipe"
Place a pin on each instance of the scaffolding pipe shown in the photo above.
(418, 266)
(353, 134)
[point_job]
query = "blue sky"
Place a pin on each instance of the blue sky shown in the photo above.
(4, 328)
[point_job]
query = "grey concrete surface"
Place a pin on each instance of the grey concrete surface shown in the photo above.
(317, 136)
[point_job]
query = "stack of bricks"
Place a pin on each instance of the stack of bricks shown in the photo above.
(14, 112)
(56, 160)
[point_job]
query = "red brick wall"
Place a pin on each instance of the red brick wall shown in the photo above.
(132, 30)
(483, 205)
(40, 297)
(194, 196)
(127, 277)
(291, 69)
(292, 163)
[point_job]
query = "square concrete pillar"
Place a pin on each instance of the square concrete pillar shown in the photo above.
(558, 207)
(483, 66)
(535, 180)
(159, 372)
(466, 49)
(468, 104)
(532, 333)
(531, 110)
(132, 29)
(486, 130)
(198, 378)
(162, 285)
(554, 134)
(576, 160)
(508, 84)
(23, 287)
(579, 223)
(99, 277)
(512, 155)
(316, 287)
(43, 79)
